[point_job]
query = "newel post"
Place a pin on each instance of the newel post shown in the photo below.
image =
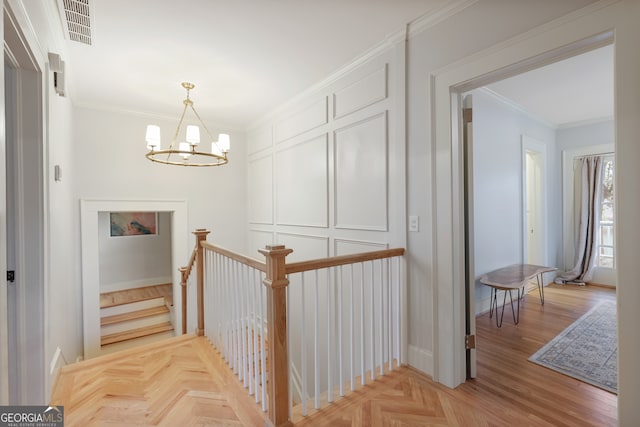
(276, 282)
(201, 234)
(183, 294)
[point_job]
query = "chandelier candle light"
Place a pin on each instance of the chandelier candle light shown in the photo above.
(186, 153)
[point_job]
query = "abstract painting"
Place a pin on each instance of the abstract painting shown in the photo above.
(133, 223)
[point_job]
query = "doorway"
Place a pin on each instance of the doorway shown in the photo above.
(91, 212)
(449, 359)
(25, 222)
(534, 233)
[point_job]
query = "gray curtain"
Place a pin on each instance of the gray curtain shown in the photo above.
(587, 194)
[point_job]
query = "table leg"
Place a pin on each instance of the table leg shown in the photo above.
(540, 287)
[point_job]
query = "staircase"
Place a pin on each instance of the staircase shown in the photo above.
(132, 317)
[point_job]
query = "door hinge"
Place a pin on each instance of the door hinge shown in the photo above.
(11, 276)
(467, 115)
(469, 342)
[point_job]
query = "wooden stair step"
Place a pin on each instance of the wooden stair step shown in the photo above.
(133, 315)
(127, 296)
(136, 333)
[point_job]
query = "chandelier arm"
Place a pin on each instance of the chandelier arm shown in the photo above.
(203, 125)
(184, 111)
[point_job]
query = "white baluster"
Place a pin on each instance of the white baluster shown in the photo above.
(373, 322)
(263, 355)
(362, 326)
(351, 330)
(329, 352)
(303, 348)
(340, 290)
(382, 318)
(315, 347)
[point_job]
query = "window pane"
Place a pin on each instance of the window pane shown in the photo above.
(606, 214)
(606, 234)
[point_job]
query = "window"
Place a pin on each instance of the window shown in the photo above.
(606, 256)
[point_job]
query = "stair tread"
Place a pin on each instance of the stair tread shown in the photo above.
(135, 333)
(111, 299)
(133, 315)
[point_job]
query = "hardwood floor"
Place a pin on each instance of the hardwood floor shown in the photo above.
(508, 391)
(184, 382)
(181, 381)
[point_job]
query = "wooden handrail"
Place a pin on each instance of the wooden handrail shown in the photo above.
(251, 262)
(316, 264)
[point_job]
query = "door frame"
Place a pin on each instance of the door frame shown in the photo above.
(530, 50)
(30, 190)
(89, 210)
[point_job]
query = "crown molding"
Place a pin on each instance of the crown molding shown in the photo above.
(438, 15)
(517, 107)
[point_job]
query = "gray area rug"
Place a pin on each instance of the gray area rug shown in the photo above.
(587, 349)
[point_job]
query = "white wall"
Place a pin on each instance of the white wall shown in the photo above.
(134, 261)
(497, 180)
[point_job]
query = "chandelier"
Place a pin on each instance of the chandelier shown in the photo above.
(187, 152)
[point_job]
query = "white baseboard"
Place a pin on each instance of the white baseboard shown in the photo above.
(421, 359)
(57, 362)
(121, 286)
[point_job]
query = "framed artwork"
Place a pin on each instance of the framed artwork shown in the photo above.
(133, 223)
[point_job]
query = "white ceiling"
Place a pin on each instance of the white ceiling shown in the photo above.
(246, 57)
(572, 91)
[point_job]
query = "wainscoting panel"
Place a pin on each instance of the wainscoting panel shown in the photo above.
(314, 115)
(347, 246)
(304, 246)
(302, 182)
(258, 239)
(260, 180)
(362, 93)
(361, 175)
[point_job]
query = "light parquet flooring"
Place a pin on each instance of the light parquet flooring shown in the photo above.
(185, 383)
(178, 382)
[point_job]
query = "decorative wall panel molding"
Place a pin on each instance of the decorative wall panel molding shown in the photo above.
(305, 246)
(349, 246)
(259, 239)
(361, 175)
(260, 180)
(360, 94)
(302, 183)
(314, 115)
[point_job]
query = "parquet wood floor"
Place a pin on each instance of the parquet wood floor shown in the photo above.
(183, 382)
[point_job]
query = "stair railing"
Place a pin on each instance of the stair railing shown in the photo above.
(196, 260)
(255, 319)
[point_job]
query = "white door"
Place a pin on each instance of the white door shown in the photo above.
(534, 233)
(533, 197)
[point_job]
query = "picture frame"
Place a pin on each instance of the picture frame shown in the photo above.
(133, 224)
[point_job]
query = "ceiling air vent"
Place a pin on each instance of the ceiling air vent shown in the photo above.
(78, 17)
